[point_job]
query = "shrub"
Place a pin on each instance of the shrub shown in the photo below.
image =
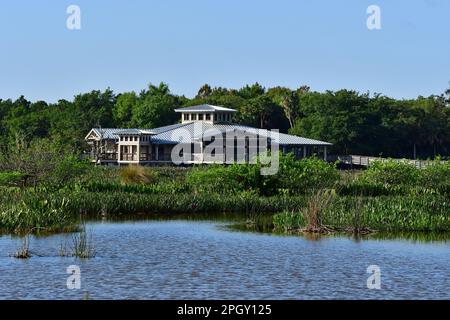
(436, 174)
(391, 173)
(293, 177)
(216, 179)
(306, 175)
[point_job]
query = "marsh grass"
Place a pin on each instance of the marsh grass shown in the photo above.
(24, 251)
(315, 208)
(137, 174)
(82, 244)
(306, 195)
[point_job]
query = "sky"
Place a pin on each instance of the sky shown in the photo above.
(125, 45)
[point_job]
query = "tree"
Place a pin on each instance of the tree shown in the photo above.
(124, 108)
(204, 92)
(259, 109)
(156, 107)
(251, 92)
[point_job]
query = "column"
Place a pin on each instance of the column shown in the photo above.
(139, 150)
(201, 151)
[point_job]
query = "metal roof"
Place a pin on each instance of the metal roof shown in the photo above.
(113, 133)
(197, 130)
(204, 108)
(134, 132)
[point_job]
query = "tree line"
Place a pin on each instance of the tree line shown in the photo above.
(356, 123)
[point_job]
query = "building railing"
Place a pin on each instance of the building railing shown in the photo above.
(109, 156)
(128, 157)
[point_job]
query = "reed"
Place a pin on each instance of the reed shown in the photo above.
(24, 251)
(119, 203)
(137, 174)
(313, 213)
(82, 244)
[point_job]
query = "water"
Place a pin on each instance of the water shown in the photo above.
(206, 260)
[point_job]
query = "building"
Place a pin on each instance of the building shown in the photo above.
(206, 134)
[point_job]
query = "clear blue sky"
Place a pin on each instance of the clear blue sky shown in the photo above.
(127, 44)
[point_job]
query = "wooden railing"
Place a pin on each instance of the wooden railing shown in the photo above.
(367, 161)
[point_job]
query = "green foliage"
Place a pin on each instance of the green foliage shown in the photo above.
(356, 123)
(41, 162)
(10, 178)
(306, 175)
(168, 188)
(121, 203)
(436, 175)
(28, 212)
(216, 179)
(394, 213)
(124, 108)
(391, 173)
(294, 177)
(155, 108)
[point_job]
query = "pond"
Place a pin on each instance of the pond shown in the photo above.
(182, 259)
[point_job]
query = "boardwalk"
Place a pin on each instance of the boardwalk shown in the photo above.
(365, 161)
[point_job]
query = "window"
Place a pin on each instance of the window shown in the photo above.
(186, 116)
(193, 116)
(208, 117)
(200, 116)
(215, 117)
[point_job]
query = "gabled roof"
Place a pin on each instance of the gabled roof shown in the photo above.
(205, 108)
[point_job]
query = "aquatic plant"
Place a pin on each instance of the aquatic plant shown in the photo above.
(424, 213)
(24, 251)
(82, 246)
(313, 213)
(30, 212)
